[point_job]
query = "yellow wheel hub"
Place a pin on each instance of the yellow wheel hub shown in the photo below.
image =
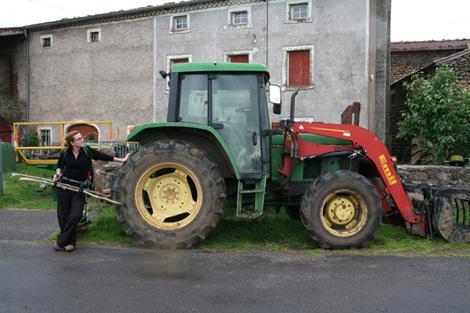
(344, 213)
(168, 201)
(340, 210)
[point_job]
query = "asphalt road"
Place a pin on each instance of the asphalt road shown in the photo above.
(35, 278)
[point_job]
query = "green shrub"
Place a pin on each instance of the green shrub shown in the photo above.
(439, 112)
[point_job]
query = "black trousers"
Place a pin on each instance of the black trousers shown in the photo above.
(70, 206)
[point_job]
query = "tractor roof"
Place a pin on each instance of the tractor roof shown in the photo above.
(219, 67)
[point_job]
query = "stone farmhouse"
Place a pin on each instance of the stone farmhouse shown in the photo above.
(105, 67)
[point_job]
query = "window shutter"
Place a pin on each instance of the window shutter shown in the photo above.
(242, 58)
(299, 68)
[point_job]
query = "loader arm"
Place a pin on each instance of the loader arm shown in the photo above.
(375, 151)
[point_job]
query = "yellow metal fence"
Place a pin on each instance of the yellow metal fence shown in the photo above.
(47, 155)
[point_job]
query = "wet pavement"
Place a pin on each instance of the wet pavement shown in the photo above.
(35, 278)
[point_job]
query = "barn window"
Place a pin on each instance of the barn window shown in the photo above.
(298, 11)
(179, 24)
(45, 137)
(93, 35)
(46, 41)
(239, 18)
(239, 58)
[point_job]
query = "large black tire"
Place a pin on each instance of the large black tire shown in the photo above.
(173, 195)
(341, 210)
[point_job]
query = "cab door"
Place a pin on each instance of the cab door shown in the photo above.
(234, 101)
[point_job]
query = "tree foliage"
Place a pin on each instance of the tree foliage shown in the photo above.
(439, 112)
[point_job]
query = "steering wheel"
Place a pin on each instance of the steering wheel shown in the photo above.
(244, 110)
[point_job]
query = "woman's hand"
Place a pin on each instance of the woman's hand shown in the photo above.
(56, 177)
(122, 160)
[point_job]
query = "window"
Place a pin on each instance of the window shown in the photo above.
(179, 24)
(239, 18)
(46, 41)
(298, 12)
(298, 67)
(44, 137)
(173, 59)
(182, 60)
(241, 58)
(225, 95)
(93, 35)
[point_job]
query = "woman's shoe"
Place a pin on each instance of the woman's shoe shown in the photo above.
(69, 248)
(56, 247)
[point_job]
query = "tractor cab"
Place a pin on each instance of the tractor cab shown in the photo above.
(230, 98)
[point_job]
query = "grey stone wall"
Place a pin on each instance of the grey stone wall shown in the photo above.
(12, 111)
(444, 176)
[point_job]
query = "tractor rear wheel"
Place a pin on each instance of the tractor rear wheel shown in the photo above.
(173, 195)
(341, 210)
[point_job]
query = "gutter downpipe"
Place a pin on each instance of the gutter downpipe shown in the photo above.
(267, 33)
(155, 72)
(27, 82)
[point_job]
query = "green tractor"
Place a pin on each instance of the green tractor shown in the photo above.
(219, 148)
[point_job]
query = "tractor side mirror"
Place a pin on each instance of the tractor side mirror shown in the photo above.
(275, 98)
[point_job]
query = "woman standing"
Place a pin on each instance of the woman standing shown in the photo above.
(73, 168)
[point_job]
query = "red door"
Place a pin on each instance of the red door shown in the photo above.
(89, 132)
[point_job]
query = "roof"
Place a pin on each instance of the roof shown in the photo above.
(457, 44)
(170, 7)
(11, 31)
(219, 67)
(439, 62)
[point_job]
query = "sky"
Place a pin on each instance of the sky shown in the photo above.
(412, 20)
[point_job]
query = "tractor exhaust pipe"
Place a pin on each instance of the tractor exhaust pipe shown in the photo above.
(292, 105)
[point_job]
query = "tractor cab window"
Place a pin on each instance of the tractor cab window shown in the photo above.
(233, 100)
(193, 102)
(235, 106)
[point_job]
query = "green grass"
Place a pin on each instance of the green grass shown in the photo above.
(105, 229)
(272, 231)
(280, 232)
(24, 195)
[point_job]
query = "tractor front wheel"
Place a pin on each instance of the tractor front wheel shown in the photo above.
(173, 195)
(341, 210)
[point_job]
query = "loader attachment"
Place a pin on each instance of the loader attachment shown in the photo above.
(451, 214)
(447, 211)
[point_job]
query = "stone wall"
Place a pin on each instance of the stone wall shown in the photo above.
(12, 111)
(445, 176)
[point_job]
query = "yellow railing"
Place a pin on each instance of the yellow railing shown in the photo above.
(122, 128)
(40, 161)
